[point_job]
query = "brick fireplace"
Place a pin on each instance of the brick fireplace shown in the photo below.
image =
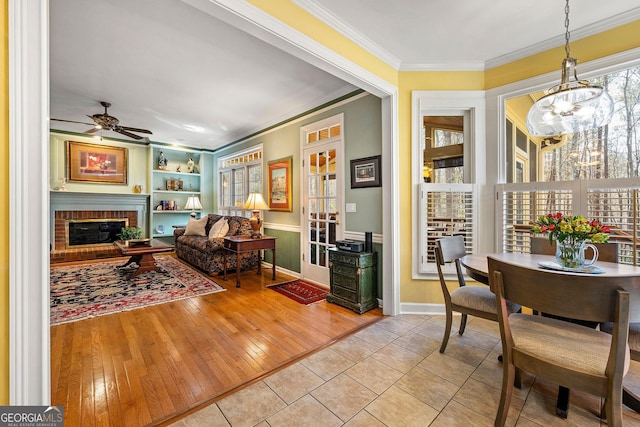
(67, 206)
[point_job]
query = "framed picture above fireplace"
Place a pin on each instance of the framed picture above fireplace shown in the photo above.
(96, 163)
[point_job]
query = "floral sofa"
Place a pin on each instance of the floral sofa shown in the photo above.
(208, 255)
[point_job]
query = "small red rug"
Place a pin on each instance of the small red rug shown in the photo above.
(301, 291)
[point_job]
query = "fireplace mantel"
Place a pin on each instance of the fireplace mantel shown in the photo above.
(76, 201)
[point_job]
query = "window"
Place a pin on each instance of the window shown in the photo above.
(240, 174)
(448, 127)
(444, 149)
(593, 173)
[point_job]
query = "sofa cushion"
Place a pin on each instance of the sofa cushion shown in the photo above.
(219, 229)
(195, 227)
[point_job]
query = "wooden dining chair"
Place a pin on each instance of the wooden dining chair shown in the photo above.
(571, 355)
(477, 301)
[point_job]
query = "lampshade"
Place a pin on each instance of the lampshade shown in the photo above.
(572, 106)
(193, 202)
(255, 202)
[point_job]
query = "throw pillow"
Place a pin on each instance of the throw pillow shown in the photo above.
(195, 227)
(219, 229)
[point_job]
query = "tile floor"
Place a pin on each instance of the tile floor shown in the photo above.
(392, 374)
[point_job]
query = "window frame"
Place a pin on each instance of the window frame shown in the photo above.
(234, 162)
(472, 105)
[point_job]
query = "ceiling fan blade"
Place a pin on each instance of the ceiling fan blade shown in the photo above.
(71, 121)
(124, 132)
(93, 129)
(135, 130)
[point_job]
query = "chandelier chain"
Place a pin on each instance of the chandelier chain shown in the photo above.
(566, 26)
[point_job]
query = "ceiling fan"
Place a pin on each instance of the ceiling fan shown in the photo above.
(108, 122)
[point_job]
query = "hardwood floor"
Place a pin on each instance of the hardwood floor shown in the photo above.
(153, 365)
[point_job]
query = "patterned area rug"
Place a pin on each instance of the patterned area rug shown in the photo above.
(89, 290)
(301, 291)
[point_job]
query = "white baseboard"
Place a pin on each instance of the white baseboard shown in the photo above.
(420, 308)
(281, 270)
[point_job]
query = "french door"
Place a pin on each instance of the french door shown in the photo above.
(322, 172)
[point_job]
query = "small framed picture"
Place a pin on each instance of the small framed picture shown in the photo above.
(174, 185)
(280, 191)
(365, 172)
(96, 163)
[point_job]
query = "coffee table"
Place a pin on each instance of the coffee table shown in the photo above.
(142, 254)
(239, 244)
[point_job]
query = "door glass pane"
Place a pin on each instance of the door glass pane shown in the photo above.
(321, 203)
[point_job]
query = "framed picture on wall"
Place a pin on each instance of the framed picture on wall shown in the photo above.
(280, 191)
(96, 163)
(365, 172)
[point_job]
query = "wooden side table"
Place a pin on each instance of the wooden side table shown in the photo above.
(240, 244)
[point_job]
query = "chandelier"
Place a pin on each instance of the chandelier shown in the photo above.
(573, 105)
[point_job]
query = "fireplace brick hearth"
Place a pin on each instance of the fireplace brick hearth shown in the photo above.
(78, 206)
(62, 253)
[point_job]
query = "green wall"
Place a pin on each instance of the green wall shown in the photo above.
(363, 136)
(287, 249)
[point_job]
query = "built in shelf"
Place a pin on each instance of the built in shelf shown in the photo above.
(176, 192)
(182, 211)
(175, 173)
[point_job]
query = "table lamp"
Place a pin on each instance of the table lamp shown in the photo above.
(193, 203)
(255, 202)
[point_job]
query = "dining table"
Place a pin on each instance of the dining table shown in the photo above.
(477, 268)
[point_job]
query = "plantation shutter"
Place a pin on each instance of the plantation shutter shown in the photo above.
(445, 210)
(614, 202)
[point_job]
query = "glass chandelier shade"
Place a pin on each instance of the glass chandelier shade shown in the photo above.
(572, 106)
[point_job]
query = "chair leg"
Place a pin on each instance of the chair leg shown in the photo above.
(613, 411)
(518, 381)
(447, 331)
(463, 324)
(508, 377)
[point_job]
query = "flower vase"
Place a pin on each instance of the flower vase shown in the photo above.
(570, 253)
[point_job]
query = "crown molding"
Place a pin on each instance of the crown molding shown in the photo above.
(335, 22)
(577, 34)
(444, 66)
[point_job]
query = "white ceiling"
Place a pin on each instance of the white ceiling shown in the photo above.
(193, 79)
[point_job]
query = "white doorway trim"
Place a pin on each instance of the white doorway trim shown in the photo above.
(29, 355)
(29, 175)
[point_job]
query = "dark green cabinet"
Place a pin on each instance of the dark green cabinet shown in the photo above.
(353, 280)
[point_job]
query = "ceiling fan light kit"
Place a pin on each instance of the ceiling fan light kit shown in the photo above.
(573, 105)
